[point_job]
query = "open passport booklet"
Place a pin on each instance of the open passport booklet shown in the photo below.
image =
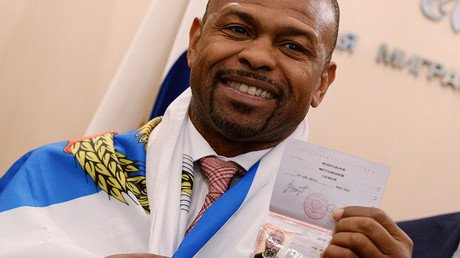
(312, 182)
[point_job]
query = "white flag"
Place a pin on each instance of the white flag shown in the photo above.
(160, 39)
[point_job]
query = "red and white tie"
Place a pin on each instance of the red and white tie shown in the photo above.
(219, 173)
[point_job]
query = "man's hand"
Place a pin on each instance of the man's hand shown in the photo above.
(367, 232)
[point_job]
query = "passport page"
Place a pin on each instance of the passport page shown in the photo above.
(313, 181)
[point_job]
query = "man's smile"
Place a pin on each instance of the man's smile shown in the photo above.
(248, 86)
(251, 90)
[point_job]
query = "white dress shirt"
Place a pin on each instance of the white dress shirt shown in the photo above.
(197, 147)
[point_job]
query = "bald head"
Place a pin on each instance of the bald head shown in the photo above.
(334, 7)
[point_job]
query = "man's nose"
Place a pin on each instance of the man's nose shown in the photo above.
(259, 54)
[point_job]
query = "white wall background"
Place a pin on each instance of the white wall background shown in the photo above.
(58, 58)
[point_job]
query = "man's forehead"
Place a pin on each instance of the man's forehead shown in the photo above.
(277, 234)
(317, 11)
(302, 6)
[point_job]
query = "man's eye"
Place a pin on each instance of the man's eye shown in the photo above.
(294, 47)
(239, 30)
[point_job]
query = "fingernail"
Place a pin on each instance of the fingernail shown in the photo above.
(337, 214)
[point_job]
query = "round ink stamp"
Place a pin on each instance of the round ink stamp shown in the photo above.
(315, 206)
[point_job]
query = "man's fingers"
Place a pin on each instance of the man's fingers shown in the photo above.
(370, 232)
(364, 233)
(356, 242)
(376, 214)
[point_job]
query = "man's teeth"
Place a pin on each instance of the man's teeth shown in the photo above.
(241, 87)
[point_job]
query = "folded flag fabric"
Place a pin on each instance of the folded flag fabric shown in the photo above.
(83, 197)
(176, 81)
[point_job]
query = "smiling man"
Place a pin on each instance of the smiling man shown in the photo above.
(257, 66)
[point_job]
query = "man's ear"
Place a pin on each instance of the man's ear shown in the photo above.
(327, 77)
(194, 35)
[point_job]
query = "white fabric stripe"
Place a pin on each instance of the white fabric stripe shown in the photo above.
(163, 184)
(97, 227)
(141, 71)
(195, 8)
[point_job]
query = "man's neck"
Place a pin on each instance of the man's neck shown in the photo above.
(231, 148)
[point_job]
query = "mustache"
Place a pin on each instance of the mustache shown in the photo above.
(250, 74)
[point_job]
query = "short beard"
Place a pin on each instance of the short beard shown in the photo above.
(234, 130)
(237, 130)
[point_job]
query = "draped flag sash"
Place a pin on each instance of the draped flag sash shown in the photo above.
(61, 172)
(84, 197)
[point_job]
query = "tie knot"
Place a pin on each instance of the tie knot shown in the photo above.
(219, 172)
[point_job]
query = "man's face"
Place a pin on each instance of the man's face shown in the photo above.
(257, 66)
(274, 242)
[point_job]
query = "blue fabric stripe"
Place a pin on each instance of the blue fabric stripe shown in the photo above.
(216, 216)
(44, 177)
(48, 175)
(176, 81)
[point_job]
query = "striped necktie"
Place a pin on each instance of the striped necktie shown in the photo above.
(219, 174)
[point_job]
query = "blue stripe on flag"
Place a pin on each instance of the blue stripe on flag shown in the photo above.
(48, 175)
(176, 81)
(43, 177)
